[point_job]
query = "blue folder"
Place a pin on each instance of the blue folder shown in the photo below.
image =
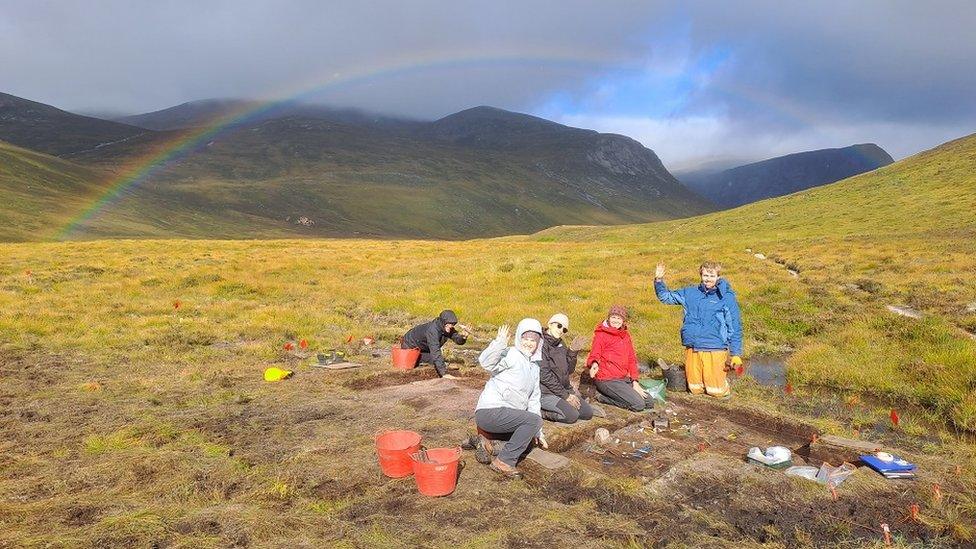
(880, 466)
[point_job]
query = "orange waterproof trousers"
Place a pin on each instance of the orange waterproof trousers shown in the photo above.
(706, 372)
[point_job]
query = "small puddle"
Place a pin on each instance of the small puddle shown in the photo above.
(767, 370)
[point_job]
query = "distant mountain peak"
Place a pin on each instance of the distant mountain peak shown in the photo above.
(785, 174)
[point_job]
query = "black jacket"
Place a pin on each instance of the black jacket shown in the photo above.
(558, 363)
(430, 336)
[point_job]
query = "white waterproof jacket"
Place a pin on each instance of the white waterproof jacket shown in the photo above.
(514, 379)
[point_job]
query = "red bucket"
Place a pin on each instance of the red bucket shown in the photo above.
(394, 449)
(405, 359)
(438, 475)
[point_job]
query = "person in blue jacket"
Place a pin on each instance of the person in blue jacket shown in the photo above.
(712, 328)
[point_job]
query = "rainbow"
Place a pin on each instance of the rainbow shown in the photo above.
(141, 168)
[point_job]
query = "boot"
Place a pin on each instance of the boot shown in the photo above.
(484, 451)
(551, 416)
(505, 469)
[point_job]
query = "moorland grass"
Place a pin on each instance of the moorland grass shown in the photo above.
(149, 336)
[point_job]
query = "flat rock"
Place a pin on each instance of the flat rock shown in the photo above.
(337, 365)
(850, 443)
(904, 311)
(547, 459)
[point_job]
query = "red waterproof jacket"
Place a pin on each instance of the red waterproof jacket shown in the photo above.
(614, 351)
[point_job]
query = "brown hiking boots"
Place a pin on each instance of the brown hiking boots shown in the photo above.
(505, 469)
(484, 450)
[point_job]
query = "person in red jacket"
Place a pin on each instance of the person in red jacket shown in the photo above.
(613, 364)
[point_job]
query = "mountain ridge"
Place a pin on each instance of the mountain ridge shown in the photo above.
(50, 130)
(785, 174)
(480, 172)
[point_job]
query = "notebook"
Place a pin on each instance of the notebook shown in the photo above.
(883, 467)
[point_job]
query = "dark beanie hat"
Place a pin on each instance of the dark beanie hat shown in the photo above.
(618, 310)
(447, 316)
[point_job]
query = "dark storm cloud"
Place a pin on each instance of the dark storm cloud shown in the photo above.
(141, 55)
(891, 60)
(790, 71)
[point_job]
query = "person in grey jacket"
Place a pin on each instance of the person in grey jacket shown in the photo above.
(429, 337)
(510, 403)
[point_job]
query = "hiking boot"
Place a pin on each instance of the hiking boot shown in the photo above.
(505, 469)
(551, 416)
(484, 451)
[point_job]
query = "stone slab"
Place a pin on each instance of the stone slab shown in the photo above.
(548, 459)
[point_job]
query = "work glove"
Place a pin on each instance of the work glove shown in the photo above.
(574, 401)
(737, 360)
(578, 343)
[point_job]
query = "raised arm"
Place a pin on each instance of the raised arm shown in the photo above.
(665, 295)
(491, 358)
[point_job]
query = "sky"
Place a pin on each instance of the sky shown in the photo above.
(697, 82)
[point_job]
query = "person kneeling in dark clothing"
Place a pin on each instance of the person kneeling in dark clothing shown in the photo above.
(560, 401)
(431, 336)
(613, 364)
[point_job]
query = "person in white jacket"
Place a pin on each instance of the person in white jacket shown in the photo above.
(510, 403)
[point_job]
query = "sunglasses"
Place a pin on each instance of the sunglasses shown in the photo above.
(560, 326)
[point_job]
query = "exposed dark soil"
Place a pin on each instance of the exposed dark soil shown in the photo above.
(375, 380)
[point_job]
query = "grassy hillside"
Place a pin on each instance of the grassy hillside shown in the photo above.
(356, 181)
(51, 130)
(346, 180)
(41, 193)
(300, 171)
(132, 368)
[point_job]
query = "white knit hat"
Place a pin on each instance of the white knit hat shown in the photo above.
(560, 318)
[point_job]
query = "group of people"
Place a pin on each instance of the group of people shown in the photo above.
(531, 379)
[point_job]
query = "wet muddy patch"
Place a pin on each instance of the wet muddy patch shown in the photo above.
(767, 370)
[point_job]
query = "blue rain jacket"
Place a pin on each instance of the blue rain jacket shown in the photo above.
(712, 319)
